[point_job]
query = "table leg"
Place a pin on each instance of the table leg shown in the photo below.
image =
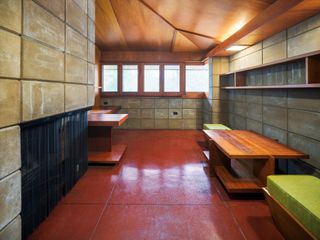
(100, 148)
(217, 158)
(262, 168)
(99, 139)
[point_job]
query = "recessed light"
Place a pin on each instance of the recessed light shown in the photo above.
(236, 47)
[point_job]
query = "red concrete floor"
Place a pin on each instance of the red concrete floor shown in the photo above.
(159, 191)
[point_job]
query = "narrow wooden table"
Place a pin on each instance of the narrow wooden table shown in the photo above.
(100, 145)
(229, 145)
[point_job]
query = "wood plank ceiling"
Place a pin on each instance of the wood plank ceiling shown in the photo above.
(193, 26)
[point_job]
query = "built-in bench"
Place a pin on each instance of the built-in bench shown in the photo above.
(294, 201)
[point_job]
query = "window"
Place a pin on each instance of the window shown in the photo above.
(172, 78)
(197, 78)
(151, 78)
(130, 78)
(110, 78)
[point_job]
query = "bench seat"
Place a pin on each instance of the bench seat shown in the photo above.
(215, 126)
(300, 196)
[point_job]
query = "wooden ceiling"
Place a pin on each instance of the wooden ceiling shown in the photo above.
(202, 26)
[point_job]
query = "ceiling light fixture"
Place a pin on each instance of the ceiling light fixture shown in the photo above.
(236, 47)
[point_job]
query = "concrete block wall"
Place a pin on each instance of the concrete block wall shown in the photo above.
(215, 106)
(46, 68)
(159, 112)
(291, 116)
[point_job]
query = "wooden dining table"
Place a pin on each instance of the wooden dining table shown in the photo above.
(100, 147)
(260, 152)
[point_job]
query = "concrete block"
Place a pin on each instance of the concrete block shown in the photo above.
(306, 145)
(10, 15)
(276, 38)
(304, 99)
(304, 123)
(91, 30)
(239, 122)
(175, 124)
(147, 113)
(192, 103)
(41, 62)
(162, 123)
(304, 26)
(75, 97)
(12, 231)
(42, 25)
(275, 133)
(134, 113)
(275, 97)
(123, 102)
(147, 123)
(91, 73)
(91, 52)
(10, 156)
(41, 99)
(240, 108)
(76, 17)
(254, 111)
(275, 116)
(189, 113)
(134, 123)
(175, 103)
(147, 103)
(76, 44)
(76, 70)
(304, 43)
(255, 126)
(161, 113)
(254, 96)
(133, 102)
(9, 102)
(10, 198)
(83, 4)
(91, 95)
(56, 7)
(10, 45)
(161, 103)
(91, 9)
(275, 52)
(189, 123)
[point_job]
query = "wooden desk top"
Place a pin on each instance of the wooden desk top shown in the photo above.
(248, 144)
(112, 109)
(107, 120)
(100, 111)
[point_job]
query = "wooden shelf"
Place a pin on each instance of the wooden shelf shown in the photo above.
(315, 85)
(237, 185)
(113, 157)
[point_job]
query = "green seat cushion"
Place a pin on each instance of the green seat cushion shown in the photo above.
(300, 195)
(209, 126)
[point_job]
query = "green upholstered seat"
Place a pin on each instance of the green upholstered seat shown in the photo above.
(209, 126)
(300, 195)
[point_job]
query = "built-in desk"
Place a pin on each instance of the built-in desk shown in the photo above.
(100, 147)
(227, 145)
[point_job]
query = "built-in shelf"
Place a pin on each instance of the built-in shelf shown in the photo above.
(316, 85)
(296, 72)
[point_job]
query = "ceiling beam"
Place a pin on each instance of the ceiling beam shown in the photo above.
(269, 14)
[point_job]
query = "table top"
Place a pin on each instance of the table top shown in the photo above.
(112, 109)
(248, 144)
(107, 120)
(99, 111)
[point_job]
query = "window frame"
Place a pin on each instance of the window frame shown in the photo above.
(141, 93)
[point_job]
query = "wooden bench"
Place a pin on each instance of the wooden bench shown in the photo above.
(294, 202)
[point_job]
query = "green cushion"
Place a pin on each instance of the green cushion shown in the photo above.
(208, 126)
(300, 195)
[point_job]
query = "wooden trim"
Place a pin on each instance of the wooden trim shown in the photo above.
(274, 10)
(315, 85)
